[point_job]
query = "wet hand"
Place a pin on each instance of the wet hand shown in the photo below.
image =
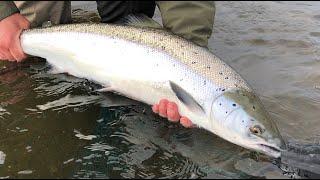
(169, 110)
(10, 30)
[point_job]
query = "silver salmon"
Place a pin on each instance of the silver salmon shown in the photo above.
(148, 64)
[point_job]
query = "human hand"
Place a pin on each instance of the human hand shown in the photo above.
(10, 30)
(169, 110)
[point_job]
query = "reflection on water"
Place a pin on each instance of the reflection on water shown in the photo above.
(58, 126)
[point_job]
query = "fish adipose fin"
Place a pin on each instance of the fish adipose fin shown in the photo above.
(139, 20)
(187, 99)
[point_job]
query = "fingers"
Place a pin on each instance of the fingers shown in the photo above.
(22, 55)
(163, 108)
(10, 31)
(169, 110)
(14, 53)
(6, 55)
(172, 112)
(185, 122)
(155, 108)
(16, 49)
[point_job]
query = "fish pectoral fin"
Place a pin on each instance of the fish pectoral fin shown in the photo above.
(187, 99)
(139, 20)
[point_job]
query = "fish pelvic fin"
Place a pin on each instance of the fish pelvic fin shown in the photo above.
(105, 89)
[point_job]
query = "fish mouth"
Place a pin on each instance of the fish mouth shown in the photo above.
(271, 150)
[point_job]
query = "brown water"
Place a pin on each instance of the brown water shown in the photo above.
(57, 126)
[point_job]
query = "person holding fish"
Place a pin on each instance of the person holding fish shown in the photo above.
(191, 20)
(149, 64)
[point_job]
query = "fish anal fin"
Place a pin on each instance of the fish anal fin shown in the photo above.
(106, 88)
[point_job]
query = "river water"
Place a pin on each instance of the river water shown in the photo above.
(58, 126)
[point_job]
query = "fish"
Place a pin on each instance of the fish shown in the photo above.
(149, 64)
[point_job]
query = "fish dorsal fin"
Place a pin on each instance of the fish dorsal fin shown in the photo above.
(139, 20)
(187, 99)
(46, 24)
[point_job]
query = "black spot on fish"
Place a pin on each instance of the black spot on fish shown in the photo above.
(195, 52)
(220, 73)
(193, 62)
(163, 48)
(208, 67)
(204, 82)
(226, 78)
(223, 90)
(242, 121)
(226, 112)
(253, 107)
(234, 105)
(220, 104)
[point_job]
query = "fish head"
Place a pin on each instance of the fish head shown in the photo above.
(242, 116)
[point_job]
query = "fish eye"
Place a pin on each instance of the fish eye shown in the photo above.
(257, 130)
